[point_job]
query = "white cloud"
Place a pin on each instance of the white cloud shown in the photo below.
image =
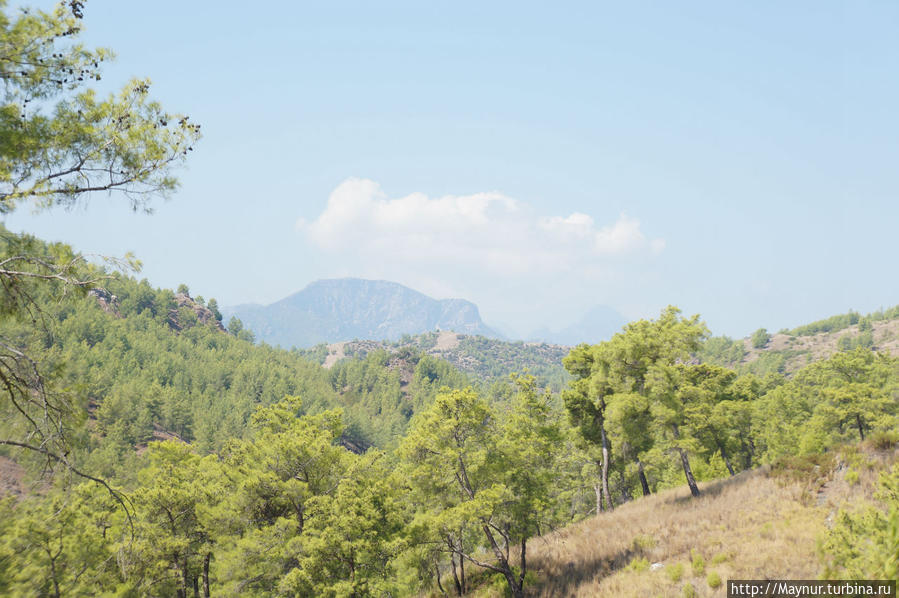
(485, 230)
(471, 244)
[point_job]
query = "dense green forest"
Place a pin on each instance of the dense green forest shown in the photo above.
(163, 453)
(389, 474)
(158, 368)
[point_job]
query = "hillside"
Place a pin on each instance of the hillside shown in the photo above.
(787, 351)
(351, 308)
(145, 364)
(484, 359)
(761, 524)
(488, 359)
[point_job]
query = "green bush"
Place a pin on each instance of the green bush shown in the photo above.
(760, 338)
(675, 572)
(720, 558)
(803, 468)
(714, 580)
(698, 563)
(639, 564)
(689, 591)
(500, 587)
(865, 339)
(643, 543)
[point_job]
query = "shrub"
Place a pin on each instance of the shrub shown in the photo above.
(720, 558)
(865, 339)
(643, 543)
(804, 468)
(698, 563)
(714, 580)
(884, 440)
(845, 343)
(639, 564)
(689, 591)
(760, 338)
(500, 587)
(675, 572)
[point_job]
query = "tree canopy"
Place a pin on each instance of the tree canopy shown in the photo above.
(59, 143)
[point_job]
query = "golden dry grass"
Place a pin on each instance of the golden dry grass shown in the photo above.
(759, 524)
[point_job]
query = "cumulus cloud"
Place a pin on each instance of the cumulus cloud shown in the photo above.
(481, 233)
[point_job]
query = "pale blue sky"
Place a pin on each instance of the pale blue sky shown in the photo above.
(738, 160)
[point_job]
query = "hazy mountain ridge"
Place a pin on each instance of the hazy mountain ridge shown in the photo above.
(334, 310)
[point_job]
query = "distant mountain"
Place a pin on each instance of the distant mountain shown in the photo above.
(598, 324)
(329, 311)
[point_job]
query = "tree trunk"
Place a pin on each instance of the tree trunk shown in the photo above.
(724, 456)
(515, 587)
(437, 571)
(462, 570)
(456, 581)
(861, 428)
(181, 591)
(691, 481)
(524, 563)
(685, 462)
(206, 575)
(53, 574)
(643, 481)
(597, 488)
(605, 466)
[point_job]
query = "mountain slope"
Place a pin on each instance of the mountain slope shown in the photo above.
(761, 524)
(349, 308)
(484, 359)
(787, 351)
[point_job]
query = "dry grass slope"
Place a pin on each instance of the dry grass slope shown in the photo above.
(760, 524)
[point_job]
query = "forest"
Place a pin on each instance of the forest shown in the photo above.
(161, 452)
(234, 468)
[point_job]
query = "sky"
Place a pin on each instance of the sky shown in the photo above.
(738, 160)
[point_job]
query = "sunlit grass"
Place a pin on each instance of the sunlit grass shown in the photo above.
(759, 524)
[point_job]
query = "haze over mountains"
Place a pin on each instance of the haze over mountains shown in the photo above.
(335, 310)
(597, 325)
(351, 308)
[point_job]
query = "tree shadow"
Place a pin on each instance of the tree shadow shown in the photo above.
(714, 488)
(566, 579)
